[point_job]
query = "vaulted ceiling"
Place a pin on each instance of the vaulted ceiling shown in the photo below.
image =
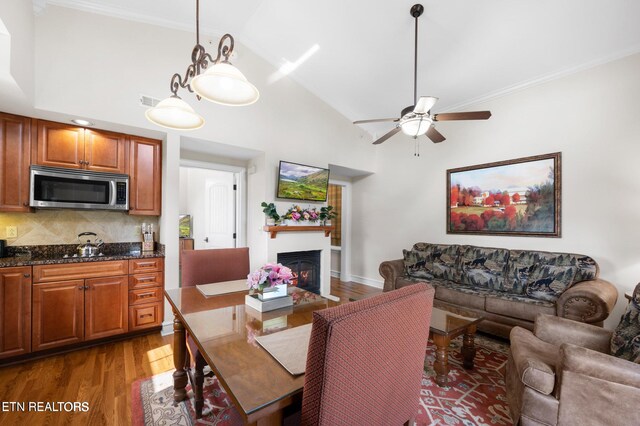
(362, 66)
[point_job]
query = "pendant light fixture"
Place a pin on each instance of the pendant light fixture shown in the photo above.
(216, 80)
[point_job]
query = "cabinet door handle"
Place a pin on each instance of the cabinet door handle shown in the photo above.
(86, 287)
(144, 280)
(146, 315)
(27, 275)
(81, 287)
(145, 295)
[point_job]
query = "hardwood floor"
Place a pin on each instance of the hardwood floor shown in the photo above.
(351, 290)
(101, 375)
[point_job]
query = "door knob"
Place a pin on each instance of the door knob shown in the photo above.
(206, 239)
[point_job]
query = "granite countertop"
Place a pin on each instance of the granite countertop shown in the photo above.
(51, 255)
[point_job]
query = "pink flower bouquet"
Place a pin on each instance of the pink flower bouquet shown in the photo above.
(270, 275)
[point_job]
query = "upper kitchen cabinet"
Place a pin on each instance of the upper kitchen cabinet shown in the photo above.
(61, 145)
(145, 176)
(15, 147)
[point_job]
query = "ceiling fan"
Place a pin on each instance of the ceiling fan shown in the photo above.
(417, 120)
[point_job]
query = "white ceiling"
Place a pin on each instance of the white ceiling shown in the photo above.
(469, 50)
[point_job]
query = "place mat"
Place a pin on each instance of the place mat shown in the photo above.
(289, 347)
(216, 289)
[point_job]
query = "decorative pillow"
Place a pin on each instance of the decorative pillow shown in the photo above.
(521, 265)
(625, 341)
(417, 264)
(445, 261)
(548, 282)
(483, 267)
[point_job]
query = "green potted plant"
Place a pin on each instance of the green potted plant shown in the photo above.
(270, 211)
(326, 214)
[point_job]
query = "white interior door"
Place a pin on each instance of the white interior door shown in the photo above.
(211, 201)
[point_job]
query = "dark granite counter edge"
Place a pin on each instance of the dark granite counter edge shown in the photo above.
(6, 262)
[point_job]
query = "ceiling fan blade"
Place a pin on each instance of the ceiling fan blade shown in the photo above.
(425, 103)
(387, 136)
(377, 120)
(471, 115)
(434, 135)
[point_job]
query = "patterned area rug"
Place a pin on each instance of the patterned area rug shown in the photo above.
(474, 397)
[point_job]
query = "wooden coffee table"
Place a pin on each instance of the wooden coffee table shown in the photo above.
(446, 326)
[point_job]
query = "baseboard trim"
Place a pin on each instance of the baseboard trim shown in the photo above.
(335, 274)
(367, 281)
(167, 328)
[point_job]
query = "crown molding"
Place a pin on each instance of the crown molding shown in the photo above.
(542, 79)
(116, 12)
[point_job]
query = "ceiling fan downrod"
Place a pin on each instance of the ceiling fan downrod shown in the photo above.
(416, 11)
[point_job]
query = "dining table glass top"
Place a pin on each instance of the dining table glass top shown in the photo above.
(225, 330)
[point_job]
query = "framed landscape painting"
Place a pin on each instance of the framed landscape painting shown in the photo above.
(518, 197)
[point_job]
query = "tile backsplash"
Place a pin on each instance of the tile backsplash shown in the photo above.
(63, 226)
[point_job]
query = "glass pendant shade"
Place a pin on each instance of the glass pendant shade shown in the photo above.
(174, 113)
(224, 84)
(416, 126)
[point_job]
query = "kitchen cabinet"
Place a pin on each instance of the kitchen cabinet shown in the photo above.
(105, 305)
(78, 302)
(146, 304)
(145, 176)
(15, 159)
(15, 311)
(72, 147)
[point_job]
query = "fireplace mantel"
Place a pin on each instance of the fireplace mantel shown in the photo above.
(273, 230)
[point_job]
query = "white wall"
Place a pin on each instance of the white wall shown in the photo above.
(591, 117)
(18, 19)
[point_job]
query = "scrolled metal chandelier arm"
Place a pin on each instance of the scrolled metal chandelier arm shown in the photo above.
(225, 50)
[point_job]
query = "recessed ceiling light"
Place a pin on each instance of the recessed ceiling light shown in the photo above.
(81, 122)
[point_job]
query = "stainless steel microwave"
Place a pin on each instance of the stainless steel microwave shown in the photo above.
(52, 187)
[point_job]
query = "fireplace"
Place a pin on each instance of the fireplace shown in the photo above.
(305, 266)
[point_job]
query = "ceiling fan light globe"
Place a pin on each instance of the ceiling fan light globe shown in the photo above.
(174, 113)
(224, 84)
(415, 126)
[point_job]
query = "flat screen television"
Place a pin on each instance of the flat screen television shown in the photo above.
(301, 182)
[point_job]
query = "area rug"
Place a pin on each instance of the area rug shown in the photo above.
(473, 397)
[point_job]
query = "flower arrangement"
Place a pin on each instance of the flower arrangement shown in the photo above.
(297, 214)
(270, 275)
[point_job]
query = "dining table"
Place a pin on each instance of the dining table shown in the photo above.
(225, 330)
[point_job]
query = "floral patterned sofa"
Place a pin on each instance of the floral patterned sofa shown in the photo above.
(508, 287)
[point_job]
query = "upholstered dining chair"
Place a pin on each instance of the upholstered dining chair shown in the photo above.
(571, 373)
(365, 359)
(205, 267)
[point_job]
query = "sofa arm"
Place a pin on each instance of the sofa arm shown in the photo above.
(557, 331)
(390, 270)
(588, 301)
(596, 389)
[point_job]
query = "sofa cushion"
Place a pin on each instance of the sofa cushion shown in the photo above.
(534, 360)
(522, 262)
(418, 264)
(515, 306)
(484, 267)
(625, 341)
(444, 258)
(548, 282)
(462, 296)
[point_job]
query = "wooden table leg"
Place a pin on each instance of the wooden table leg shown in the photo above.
(441, 365)
(468, 347)
(179, 354)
